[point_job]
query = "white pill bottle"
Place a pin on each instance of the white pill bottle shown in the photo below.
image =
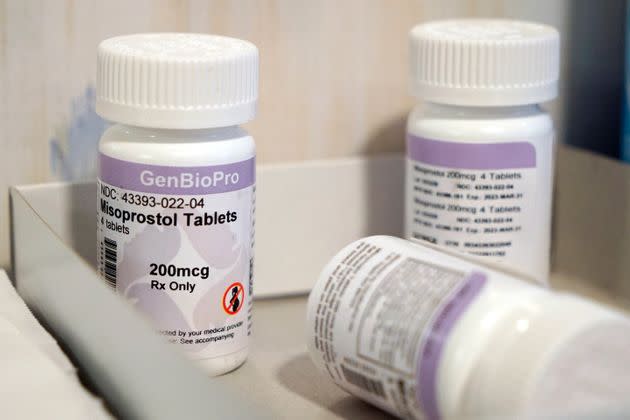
(427, 335)
(176, 186)
(479, 147)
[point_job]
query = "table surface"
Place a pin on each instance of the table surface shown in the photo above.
(280, 375)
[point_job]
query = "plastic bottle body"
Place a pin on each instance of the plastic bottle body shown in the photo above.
(480, 180)
(175, 233)
(426, 335)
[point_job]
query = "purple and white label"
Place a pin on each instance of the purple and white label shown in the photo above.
(476, 156)
(382, 321)
(487, 199)
(177, 242)
(435, 339)
(177, 180)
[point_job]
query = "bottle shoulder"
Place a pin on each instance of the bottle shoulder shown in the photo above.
(468, 124)
(177, 147)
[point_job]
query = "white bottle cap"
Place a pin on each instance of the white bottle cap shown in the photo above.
(554, 354)
(484, 62)
(177, 80)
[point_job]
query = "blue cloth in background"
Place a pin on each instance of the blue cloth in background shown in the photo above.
(625, 140)
(594, 89)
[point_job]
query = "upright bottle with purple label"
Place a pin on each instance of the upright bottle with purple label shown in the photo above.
(176, 187)
(480, 149)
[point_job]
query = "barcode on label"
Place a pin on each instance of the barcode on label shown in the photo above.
(251, 276)
(110, 261)
(358, 379)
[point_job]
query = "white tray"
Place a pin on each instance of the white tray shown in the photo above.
(305, 213)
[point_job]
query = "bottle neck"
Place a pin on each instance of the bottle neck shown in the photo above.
(433, 109)
(164, 135)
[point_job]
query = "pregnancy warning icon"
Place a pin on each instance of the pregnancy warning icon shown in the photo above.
(233, 298)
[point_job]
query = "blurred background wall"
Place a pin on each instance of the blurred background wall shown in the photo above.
(333, 73)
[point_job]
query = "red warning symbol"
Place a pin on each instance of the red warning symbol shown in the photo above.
(233, 298)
